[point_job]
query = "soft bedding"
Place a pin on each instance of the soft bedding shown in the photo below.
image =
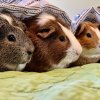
(79, 83)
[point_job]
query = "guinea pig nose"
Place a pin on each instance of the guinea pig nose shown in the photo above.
(99, 46)
(77, 53)
(29, 53)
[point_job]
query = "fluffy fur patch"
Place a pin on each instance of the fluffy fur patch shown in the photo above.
(44, 18)
(6, 17)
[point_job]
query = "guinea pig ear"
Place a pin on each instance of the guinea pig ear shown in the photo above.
(79, 29)
(46, 31)
(97, 25)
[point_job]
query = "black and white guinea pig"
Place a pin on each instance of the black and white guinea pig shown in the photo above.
(15, 47)
(88, 34)
(55, 45)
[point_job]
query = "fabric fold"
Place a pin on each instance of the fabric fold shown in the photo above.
(90, 14)
(27, 8)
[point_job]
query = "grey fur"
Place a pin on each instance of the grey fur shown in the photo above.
(13, 53)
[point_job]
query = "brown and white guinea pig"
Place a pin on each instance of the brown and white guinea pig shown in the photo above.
(55, 45)
(88, 34)
(15, 47)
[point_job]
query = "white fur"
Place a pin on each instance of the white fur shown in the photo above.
(20, 67)
(74, 42)
(73, 53)
(44, 18)
(10, 66)
(18, 28)
(96, 30)
(71, 57)
(8, 18)
(91, 53)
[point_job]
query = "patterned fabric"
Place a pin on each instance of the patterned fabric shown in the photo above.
(9, 1)
(27, 8)
(91, 14)
(23, 2)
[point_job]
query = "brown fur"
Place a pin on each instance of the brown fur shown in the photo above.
(87, 42)
(83, 39)
(48, 48)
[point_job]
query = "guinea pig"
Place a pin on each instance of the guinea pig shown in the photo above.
(55, 45)
(15, 46)
(88, 35)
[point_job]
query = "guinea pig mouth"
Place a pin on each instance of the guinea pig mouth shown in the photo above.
(12, 67)
(91, 52)
(20, 67)
(25, 59)
(9, 67)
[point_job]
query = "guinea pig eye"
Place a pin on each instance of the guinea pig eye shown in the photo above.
(88, 35)
(11, 38)
(62, 38)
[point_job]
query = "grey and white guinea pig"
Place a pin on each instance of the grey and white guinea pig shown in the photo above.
(88, 34)
(55, 45)
(15, 47)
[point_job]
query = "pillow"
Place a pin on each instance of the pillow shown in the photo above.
(90, 14)
(27, 8)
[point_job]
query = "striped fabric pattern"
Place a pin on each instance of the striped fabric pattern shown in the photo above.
(10, 1)
(25, 2)
(27, 8)
(90, 14)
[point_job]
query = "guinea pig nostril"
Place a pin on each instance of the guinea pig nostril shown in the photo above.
(29, 52)
(77, 53)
